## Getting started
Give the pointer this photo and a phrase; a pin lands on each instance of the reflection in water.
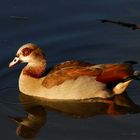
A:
(36, 109)
(30, 125)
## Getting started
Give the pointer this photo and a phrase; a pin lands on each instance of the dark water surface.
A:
(70, 30)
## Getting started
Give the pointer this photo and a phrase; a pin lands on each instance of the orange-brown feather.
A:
(113, 73)
(34, 72)
(59, 76)
(71, 63)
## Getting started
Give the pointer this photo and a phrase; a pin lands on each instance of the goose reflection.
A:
(30, 125)
(37, 108)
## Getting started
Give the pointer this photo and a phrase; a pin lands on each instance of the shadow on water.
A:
(29, 126)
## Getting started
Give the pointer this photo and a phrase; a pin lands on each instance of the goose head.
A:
(28, 53)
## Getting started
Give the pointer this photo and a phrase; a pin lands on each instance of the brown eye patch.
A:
(26, 51)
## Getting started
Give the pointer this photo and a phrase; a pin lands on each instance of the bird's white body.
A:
(84, 87)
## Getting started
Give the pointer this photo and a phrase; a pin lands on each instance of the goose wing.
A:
(105, 73)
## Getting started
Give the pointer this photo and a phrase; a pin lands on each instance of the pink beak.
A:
(15, 61)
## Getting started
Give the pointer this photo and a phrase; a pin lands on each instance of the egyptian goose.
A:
(72, 79)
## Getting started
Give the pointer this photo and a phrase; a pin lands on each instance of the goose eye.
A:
(26, 51)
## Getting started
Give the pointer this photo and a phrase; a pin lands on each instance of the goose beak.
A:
(15, 61)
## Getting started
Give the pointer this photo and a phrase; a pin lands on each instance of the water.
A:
(69, 30)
